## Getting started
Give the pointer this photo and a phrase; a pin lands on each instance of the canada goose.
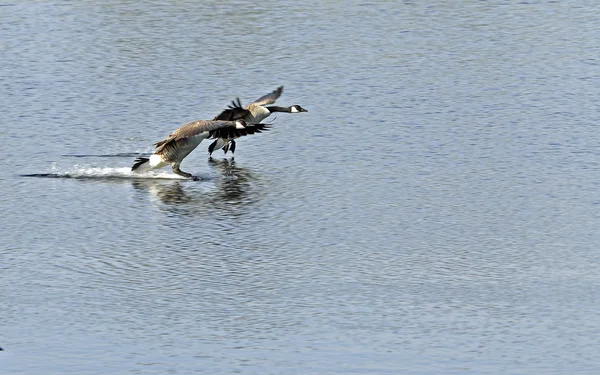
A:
(254, 112)
(173, 149)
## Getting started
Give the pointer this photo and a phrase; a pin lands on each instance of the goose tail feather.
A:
(141, 164)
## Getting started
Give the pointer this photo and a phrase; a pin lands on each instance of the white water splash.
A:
(117, 173)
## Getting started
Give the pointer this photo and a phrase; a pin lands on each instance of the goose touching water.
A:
(254, 112)
(173, 149)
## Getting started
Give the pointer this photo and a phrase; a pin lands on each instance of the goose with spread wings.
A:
(173, 149)
(254, 112)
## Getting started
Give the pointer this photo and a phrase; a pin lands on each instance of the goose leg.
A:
(212, 146)
(178, 171)
(232, 147)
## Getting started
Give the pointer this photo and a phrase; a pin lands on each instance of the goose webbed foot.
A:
(178, 171)
(232, 147)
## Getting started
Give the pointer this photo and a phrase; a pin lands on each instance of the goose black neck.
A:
(275, 108)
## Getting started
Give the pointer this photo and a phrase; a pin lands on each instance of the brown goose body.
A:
(173, 149)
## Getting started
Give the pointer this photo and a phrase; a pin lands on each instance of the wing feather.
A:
(230, 133)
(269, 98)
(232, 114)
(193, 129)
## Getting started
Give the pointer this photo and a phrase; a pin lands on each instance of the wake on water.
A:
(117, 155)
(107, 173)
(87, 172)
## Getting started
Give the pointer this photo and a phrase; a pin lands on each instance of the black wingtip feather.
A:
(236, 103)
(235, 133)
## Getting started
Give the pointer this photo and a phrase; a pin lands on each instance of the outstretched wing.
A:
(193, 129)
(232, 114)
(235, 104)
(235, 132)
(236, 111)
(269, 98)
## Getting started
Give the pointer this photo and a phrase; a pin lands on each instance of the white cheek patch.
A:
(239, 125)
(294, 110)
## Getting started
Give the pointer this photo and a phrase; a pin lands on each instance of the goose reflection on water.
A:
(234, 188)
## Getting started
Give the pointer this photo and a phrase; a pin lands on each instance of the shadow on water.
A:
(235, 188)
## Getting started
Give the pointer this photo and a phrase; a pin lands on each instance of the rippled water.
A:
(435, 212)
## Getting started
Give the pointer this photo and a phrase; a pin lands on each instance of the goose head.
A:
(296, 108)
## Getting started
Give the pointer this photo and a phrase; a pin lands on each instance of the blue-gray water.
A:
(435, 212)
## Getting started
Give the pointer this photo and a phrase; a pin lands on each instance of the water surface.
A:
(435, 211)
